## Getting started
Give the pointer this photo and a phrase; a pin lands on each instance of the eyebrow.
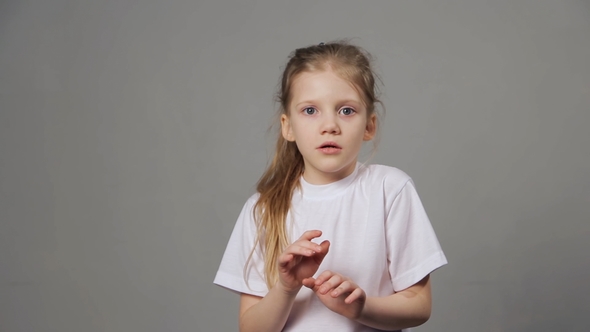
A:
(343, 102)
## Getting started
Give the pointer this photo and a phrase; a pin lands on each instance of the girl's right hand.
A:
(301, 260)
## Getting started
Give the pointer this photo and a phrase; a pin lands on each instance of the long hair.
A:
(281, 178)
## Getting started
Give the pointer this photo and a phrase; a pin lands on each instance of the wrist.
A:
(286, 290)
(364, 312)
(369, 314)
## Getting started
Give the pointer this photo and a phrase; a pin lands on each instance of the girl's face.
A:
(328, 122)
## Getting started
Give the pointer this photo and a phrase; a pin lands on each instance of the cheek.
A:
(300, 134)
(360, 128)
(301, 127)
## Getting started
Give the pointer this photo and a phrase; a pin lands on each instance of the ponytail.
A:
(276, 188)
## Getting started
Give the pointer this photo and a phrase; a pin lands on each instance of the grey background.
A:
(131, 133)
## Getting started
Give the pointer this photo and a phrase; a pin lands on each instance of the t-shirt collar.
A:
(327, 190)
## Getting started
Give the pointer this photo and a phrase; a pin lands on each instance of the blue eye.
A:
(309, 110)
(347, 111)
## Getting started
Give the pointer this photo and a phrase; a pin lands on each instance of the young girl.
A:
(327, 243)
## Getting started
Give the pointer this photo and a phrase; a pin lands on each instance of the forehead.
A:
(322, 85)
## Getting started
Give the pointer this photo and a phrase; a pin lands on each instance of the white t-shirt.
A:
(380, 237)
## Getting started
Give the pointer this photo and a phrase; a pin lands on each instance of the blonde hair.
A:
(281, 178)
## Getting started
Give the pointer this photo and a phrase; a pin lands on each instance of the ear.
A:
(371, 128)
(286, 129)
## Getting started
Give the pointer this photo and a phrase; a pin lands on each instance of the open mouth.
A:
(329, 148)
(327, 145)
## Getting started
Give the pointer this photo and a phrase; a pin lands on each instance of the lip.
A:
(329, 148)
(329, 144)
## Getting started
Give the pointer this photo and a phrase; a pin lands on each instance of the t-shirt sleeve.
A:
(413, 248)
(233, 273)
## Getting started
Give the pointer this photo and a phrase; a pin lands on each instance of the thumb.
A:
(325, 248)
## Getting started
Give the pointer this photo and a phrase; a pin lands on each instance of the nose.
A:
(330, 124)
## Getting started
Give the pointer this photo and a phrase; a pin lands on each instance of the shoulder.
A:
(251, 201)
(246, 215)
(390, 179)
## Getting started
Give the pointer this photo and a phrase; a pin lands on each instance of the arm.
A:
(407, 308)
(267, 313)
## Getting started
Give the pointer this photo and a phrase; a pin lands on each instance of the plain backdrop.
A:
(132, 132)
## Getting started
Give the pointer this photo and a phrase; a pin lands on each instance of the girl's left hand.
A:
(338, 293)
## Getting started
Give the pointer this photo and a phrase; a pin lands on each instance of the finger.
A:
(331, 283)
(324, 247)
(355, 295)
(323, 277)
(310, 235)
(309, 245)
(302, 249)
(345, 287)
(308, 282)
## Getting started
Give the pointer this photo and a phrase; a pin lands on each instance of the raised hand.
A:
(301, 260)
(338, 293)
